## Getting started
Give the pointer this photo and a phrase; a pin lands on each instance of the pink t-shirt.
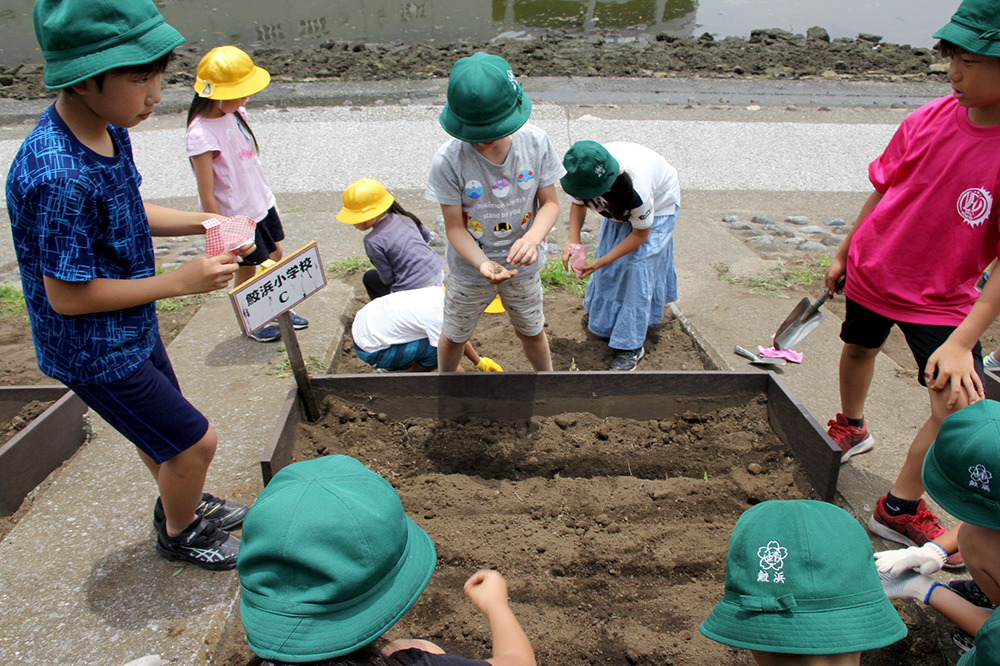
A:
(240, 187)
(918, 254)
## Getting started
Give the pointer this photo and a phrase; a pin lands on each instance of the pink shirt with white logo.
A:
(918, 254)
(240, 187)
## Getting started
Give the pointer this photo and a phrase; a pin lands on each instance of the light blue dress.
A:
(628, 295)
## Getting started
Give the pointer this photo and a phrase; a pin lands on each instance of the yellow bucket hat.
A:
(364, 200)
(227, 72)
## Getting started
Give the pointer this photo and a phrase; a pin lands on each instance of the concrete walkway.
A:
(82, 582)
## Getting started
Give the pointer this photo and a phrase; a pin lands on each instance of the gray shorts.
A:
(464, 304)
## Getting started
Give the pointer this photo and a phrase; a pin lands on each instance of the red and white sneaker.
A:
(915, 530)
(851, 440)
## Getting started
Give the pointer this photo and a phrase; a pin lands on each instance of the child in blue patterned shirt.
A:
(84, 247)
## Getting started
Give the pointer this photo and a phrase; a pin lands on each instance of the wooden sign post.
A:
(271, 294)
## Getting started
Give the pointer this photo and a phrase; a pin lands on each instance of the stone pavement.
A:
(82, 583)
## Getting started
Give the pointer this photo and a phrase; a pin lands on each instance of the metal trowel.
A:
(804, 319)
(756, 360)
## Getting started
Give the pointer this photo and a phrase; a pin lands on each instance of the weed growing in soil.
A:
(776, 279)
(348, 266)
(554, 276)
(11, 303)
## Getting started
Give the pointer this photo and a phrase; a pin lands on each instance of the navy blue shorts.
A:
(870, 330)
(147, 408)
(268, 234)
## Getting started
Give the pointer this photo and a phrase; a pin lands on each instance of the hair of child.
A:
(201, 105)
(946, 49)
(620, 197)
(399, 210)
(152, 68)
(368, 655)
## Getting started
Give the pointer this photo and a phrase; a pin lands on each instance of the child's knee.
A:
(203, 451)
(859, 353)
(980, 547)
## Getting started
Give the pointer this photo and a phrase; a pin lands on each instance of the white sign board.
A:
(278, 288)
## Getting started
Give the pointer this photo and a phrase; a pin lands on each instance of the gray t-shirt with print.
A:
(499, 201)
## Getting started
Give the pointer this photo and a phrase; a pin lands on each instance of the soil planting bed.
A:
(610, 527)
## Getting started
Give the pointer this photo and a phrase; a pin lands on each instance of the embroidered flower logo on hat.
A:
(599, 170)
(512, 79)
(772, 556)
(980, 477)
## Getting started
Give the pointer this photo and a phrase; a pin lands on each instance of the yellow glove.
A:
(488, 365)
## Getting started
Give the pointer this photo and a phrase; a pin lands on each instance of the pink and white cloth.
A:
(228, 235)
(789, 355)
(577, 258)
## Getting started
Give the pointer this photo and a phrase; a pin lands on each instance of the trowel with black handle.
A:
(804, 319)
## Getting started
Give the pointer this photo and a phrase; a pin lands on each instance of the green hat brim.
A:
(492, 131)
(861, 626)
(969, 40)
(151, 45)
(960, 501)
(295, 633)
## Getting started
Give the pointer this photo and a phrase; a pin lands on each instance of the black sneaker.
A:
(225, 514)
(203, 544)
(969, 589)
(963, 641)
(626, 360)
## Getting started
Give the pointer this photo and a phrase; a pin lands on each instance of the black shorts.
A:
(870, 330)
(267, 236)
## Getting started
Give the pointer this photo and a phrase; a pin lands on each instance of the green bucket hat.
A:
(590, 170)
(485, 100)
(975, 27)
(800, 579)
(82, 38)
(987, 644)
(328, 561)
(959, 467)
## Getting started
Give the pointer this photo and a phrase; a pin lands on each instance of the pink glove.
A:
(228, 235)
(577, 258)
(787, 354)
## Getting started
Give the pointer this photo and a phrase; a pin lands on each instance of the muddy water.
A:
(285, 23)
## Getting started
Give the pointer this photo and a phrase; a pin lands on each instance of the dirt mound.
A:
(769, 53)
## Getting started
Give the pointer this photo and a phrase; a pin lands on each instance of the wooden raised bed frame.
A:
(43, 445)
(636, 395)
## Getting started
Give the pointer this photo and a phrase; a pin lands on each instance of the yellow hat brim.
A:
(251, 84)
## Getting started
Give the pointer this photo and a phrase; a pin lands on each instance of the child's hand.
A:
(486, 589)
(833, 273)
(204, 274)
(523, 252)
(495, 273)
(952, 363)
(245, 249)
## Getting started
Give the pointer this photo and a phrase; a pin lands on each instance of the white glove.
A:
(927, 559)
(908, 585)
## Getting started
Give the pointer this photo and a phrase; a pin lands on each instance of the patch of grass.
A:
(11, 303)
(554, 276)
(314, 366)
(774, 281)
(348, 266)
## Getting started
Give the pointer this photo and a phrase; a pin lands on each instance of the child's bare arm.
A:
(205, 176)
(165, 221)
(197, 276)
(524, 251)
(487, 590)
(838, 262)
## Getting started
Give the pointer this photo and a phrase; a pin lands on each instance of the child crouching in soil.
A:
(329, 562)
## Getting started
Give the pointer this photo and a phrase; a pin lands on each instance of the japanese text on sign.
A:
(278, 288)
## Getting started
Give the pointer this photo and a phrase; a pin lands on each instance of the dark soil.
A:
(668, 347)
(612, 533)
(769, 53)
